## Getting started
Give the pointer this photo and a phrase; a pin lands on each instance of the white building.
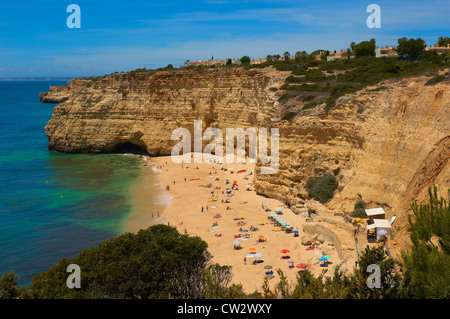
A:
(382, 228)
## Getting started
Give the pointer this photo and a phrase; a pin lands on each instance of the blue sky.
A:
(124, 35)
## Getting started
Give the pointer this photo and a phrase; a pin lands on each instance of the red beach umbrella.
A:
(285, 251)
(301, 266)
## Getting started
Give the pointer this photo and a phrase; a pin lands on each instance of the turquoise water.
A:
(52, 205)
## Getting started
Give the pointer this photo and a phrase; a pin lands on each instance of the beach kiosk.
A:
(375, 213)
(382, 227)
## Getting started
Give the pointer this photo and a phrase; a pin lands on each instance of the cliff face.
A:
(390, 145)
(144, 108)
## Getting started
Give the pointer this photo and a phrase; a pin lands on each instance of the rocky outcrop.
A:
(57, 94)
(144, 108)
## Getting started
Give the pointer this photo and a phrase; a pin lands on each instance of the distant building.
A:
(257, 61)
(318, 55)
(194, 63)
(439, 50)
(333, 56)
(212, 62)
(386, 51)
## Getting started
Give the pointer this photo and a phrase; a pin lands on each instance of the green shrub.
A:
(302, 88)
(284, 97)
(309, 105)
(322, 188)
(294, 79)
(380, 88)
(435, 80)
(308, 98)
(336, 171)
(359, 209)
(288, 116)
(157, 262)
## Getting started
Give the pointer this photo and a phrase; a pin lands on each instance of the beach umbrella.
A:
(258, 255)
(236, 242)
(295, 231)
(382, 232)
(327, 256)
(323, 259)
(267, 267)
(279, 209)
(301, 266)
(285, 251)
(252, 249)
(266, 204)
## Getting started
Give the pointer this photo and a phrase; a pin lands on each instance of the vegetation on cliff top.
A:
(326, 81)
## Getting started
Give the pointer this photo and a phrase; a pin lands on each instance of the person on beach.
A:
(245, 260)
(202, 209)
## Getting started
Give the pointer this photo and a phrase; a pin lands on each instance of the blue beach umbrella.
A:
(323, 259)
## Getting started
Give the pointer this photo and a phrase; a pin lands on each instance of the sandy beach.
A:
(198, 193)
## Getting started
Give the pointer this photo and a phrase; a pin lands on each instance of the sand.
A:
(188, 194)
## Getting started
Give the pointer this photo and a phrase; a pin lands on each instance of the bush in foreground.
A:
(154, 263)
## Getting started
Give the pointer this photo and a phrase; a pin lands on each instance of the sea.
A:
(54, 205)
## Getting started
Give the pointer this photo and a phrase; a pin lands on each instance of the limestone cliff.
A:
(144, 108)
(390, 144)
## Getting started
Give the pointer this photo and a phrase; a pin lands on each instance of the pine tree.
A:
(427, 264)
